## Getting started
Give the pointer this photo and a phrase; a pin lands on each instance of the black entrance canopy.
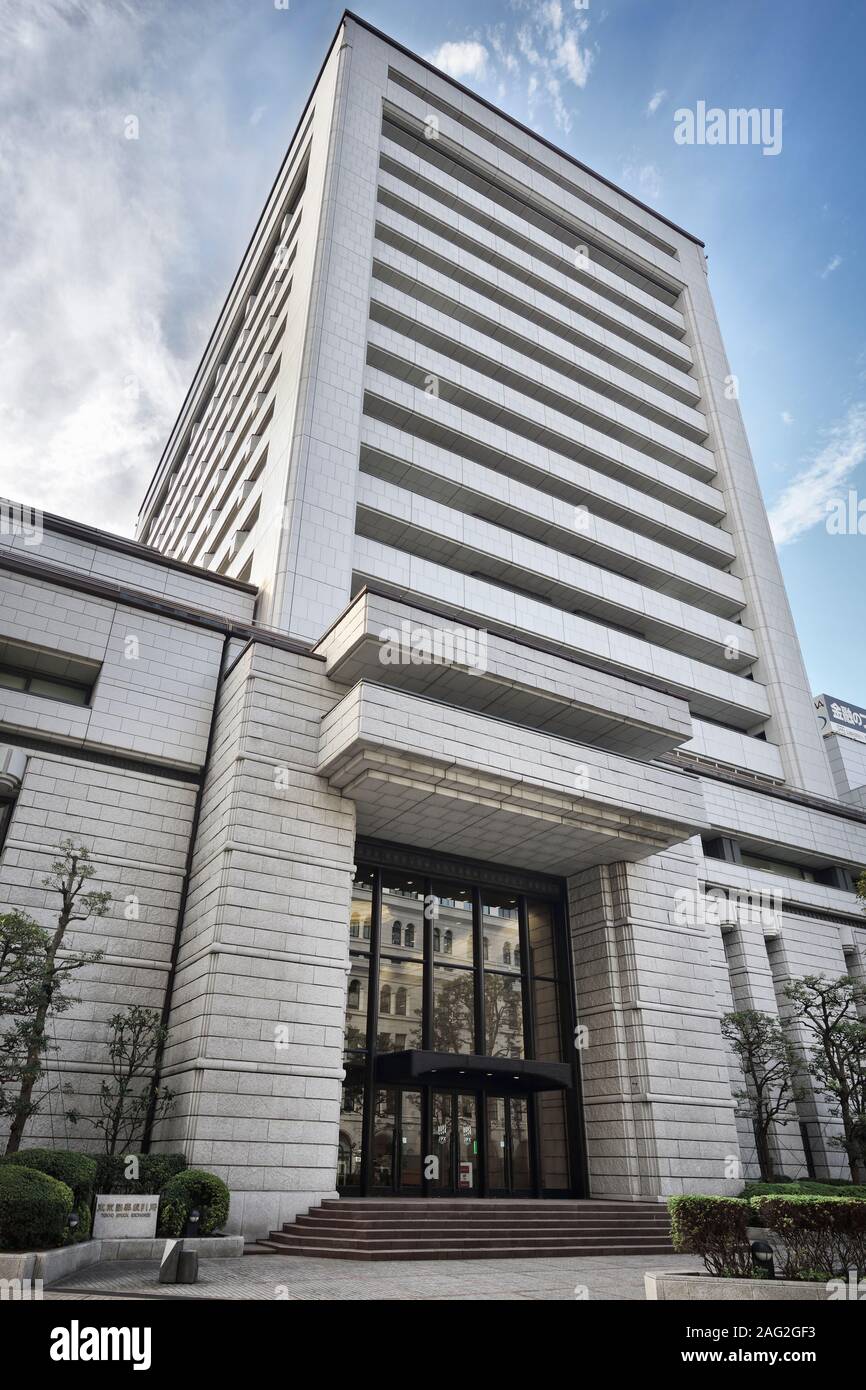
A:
(500, 1074)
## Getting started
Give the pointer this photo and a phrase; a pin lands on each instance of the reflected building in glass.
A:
(456, 1038)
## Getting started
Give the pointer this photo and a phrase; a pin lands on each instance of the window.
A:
(48, 674)
(409, 936)
(400, 1001)
(777, 866)
(506, 954)
(449, 942)
(385, 999)
(397, 934)
(355, 926)
(354, 994)
(437, 940)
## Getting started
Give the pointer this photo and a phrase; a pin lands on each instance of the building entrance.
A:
(461, 1074)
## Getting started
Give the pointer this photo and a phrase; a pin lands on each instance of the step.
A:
(441, 1252)
(444, 1226)
(444, 1223)
(463, 1241)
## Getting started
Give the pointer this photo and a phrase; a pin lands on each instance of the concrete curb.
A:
(51, 1265)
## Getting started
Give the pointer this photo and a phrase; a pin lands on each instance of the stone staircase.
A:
(467, 1229)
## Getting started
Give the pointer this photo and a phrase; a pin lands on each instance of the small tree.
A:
(137, 1035)
(47, 973)
(827, 1011)
(768, 1062)
(23, 944)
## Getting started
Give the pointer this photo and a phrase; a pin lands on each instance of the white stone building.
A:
(462, 667)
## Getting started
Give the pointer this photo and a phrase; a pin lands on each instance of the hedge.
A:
(76, 1170)
(34, 1209)
(716, 1228)
(193, 1189)
(823, 1237)
(154, 1171)
(803, 1187)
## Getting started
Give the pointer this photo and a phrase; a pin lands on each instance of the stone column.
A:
(659, 1112)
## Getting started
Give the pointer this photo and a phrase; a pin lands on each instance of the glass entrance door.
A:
(509, 1160)
(454, 1135)
(397, 1166)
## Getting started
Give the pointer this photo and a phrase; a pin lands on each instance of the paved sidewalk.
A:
(293, 1277)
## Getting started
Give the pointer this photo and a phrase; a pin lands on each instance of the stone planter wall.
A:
(700, 1287)
(51, 1265)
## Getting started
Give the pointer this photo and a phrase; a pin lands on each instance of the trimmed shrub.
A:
(193, 1188)
(76, 1170)
(716, 1228)
(804, 1187)
(154, 1171)
(823, 1236)
(34, 1209)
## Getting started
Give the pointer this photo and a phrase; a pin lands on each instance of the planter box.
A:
(51, 1265)
(703, 1288)
(208, 1247)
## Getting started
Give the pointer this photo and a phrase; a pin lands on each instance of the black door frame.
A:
(395, 859)
(533, 1186)
(455, 1096)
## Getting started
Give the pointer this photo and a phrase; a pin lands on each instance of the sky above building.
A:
(139, 138)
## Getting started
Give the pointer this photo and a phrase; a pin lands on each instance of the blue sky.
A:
(117, 252)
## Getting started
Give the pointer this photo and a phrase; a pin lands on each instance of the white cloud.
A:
(787, 418)
(655, 102)
(462, 60)
(112, 271)
(644, 179)
(576, 61)
(833, 264)
(803, 503)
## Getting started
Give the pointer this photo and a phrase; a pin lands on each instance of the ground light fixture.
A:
(762, 1259)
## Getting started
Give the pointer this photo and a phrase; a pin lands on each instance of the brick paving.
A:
(294, 1278)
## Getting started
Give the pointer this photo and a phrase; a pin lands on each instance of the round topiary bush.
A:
(76, 1170)
(34, 1209)
(187, 1191)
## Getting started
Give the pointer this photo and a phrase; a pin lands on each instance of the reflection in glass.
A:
(503, 1015)
(361, 912)
(349, 1144)
(452, 921)
(384, 1137)
(521, 1168)
(355, 1031)
(501, 931)
(400, 1004)
(497, 1157)
(453, 1009)
(410, 1141)
(403, 912)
